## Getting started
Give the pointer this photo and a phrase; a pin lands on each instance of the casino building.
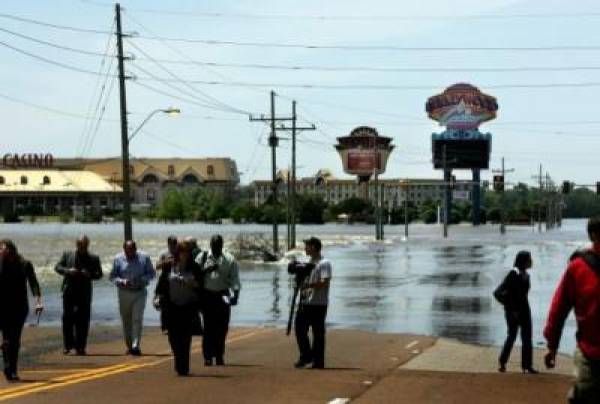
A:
(334, 190)
(42, 184)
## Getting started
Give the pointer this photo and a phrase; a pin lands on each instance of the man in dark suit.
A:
(79, 268)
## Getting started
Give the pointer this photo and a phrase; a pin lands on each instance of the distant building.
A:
(334, 190)
(151, 177)
(51, 191)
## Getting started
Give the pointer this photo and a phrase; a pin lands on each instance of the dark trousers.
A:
(76, 320)
(12, 327)
(515, 320)
(311, 317)
(216, 315)
(179, 321)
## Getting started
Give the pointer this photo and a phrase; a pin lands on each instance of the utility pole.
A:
(447, 190)
(503, 171)
(540, 179)
(273, 143)
(294, 129)
(128, 230)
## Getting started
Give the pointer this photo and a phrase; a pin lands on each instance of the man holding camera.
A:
(314, 298)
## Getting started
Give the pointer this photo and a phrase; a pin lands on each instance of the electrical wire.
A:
(51, 25)
(52, 44)
(202, 93)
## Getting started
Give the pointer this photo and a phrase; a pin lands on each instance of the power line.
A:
(217, 42)
(356, 18)
(208, 98)
(292, 67)
(87, 129)
(49, 61)
(53, 45)
(55, 26)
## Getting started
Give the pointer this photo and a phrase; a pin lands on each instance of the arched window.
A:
(150, 179)
(189, 179)
(210, 169)
(46, 180)
(23, 180)
(171, 170)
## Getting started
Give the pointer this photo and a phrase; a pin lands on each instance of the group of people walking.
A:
(194, 292)
(578, 290)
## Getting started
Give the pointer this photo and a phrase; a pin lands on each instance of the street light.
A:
(169, 111)
(128, 230)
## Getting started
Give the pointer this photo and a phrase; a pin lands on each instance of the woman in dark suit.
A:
(178, 296)
(15, 273)
(512, 293)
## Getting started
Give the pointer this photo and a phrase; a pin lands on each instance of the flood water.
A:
(423, 285)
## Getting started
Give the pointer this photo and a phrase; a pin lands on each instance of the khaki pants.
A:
(587, 381)
(131, 305)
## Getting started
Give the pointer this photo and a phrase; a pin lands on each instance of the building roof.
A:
(57, 181)
(223, 169)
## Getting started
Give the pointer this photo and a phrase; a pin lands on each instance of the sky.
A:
(48, 108)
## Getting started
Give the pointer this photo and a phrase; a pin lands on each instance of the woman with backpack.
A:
(512, 293)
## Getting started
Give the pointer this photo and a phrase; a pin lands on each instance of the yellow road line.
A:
(7, 394)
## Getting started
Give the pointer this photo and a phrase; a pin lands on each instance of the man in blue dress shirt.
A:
(131, 272)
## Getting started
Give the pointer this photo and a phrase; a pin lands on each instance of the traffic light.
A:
(567, 187)
(499, 183)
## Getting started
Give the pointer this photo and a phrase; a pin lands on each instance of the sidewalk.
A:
(362, 367)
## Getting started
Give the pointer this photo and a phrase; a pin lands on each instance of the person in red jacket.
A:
(579, 289)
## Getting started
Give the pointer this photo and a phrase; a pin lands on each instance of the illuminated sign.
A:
(461, 106)
(28, 160)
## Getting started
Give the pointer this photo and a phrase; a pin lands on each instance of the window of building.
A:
(150, 179)
(23, 180)
(2, 180)
(151, 195)
(131, 170)
(46, 180)
(210, 170)
(190, 179)
(171, 170)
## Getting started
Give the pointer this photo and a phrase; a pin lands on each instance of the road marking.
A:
(412, 344)
(93, 374)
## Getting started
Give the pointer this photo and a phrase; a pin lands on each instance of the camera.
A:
(300, 269)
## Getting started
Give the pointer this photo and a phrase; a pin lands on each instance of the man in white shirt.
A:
(314, 299)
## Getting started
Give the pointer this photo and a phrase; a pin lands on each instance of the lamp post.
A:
(127, 227)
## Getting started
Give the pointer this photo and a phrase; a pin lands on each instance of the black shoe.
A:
(67, 351)
(301, 364)
(11, 376)
(530, 371)
(135, 352)
(220, 362)
(81, 352)
(208, 362)
(501, 368)
(318, 366)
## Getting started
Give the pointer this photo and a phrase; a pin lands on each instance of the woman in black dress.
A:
(512, 293)
(15, 273)
(178, 296)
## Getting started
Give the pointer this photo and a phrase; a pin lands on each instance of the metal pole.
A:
(406, 211)
(293, 200)
(273, 144)
(502, 224)
(288, 212)
(447, 195)
(127, 226)
(540, 202)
